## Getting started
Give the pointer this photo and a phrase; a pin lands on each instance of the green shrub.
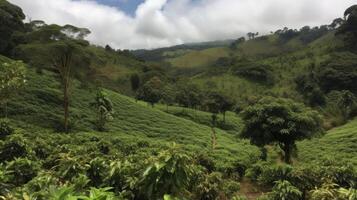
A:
(284, 190)
(168, 173)
(209, 186)
(230, 188)
(14, 147)
(22, 170)
(42, 149)
(100, 194)
(5, 128)
(271, 174)
(80, 182)
(120, 175)
(256, 170)
(205, 161)
(97, 171)
(4, 179)
(69, 166)
(40, 184)
(237, 170)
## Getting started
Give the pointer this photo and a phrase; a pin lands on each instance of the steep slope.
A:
(339, 143)
(284, 65)
(40, 105)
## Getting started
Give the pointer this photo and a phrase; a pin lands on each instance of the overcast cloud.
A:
(159, 23)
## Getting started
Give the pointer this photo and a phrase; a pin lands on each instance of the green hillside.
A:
(339, 144)
(197, 58)
(40, 104)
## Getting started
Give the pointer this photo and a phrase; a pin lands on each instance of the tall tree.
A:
(188, 95)
(150, 91)
(226, 105)
(349, 27)
(65, 55)
(250, 35)
(62, 63)
(336, 23)
(281, 122)
(168, 96)
(12, 78)
(218, 103)
(135, 82)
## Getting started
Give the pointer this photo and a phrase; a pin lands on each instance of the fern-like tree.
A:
(104, 108)
(12, 78)
(281, 122)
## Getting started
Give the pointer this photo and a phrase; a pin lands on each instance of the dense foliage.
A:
(281, 122)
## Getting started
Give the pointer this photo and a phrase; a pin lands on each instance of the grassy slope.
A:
(197, 58)
(285, 65)
(339, 143)
(233, 123)
(40, 105)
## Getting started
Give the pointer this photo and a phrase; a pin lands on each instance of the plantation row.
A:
(59, 166)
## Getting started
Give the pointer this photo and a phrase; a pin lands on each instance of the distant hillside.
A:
(167, 52)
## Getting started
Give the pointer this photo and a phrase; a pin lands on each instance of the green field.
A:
(339, 144)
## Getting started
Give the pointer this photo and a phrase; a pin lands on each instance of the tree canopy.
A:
(281, 122)
(11, 17)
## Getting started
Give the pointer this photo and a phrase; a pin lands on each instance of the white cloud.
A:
(160, 23)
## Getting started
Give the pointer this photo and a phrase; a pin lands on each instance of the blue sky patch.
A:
(128, 6)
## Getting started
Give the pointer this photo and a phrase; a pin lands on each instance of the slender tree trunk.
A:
(66, 106)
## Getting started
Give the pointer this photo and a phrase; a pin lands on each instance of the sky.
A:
(147, 24)
(128, 6)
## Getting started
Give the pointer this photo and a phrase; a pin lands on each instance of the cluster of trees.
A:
(237, 42)
(251, 35)
(334, 78)
(11, 18)
(182, 94)
(306, 34)
(347, 27)
(254, 71)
